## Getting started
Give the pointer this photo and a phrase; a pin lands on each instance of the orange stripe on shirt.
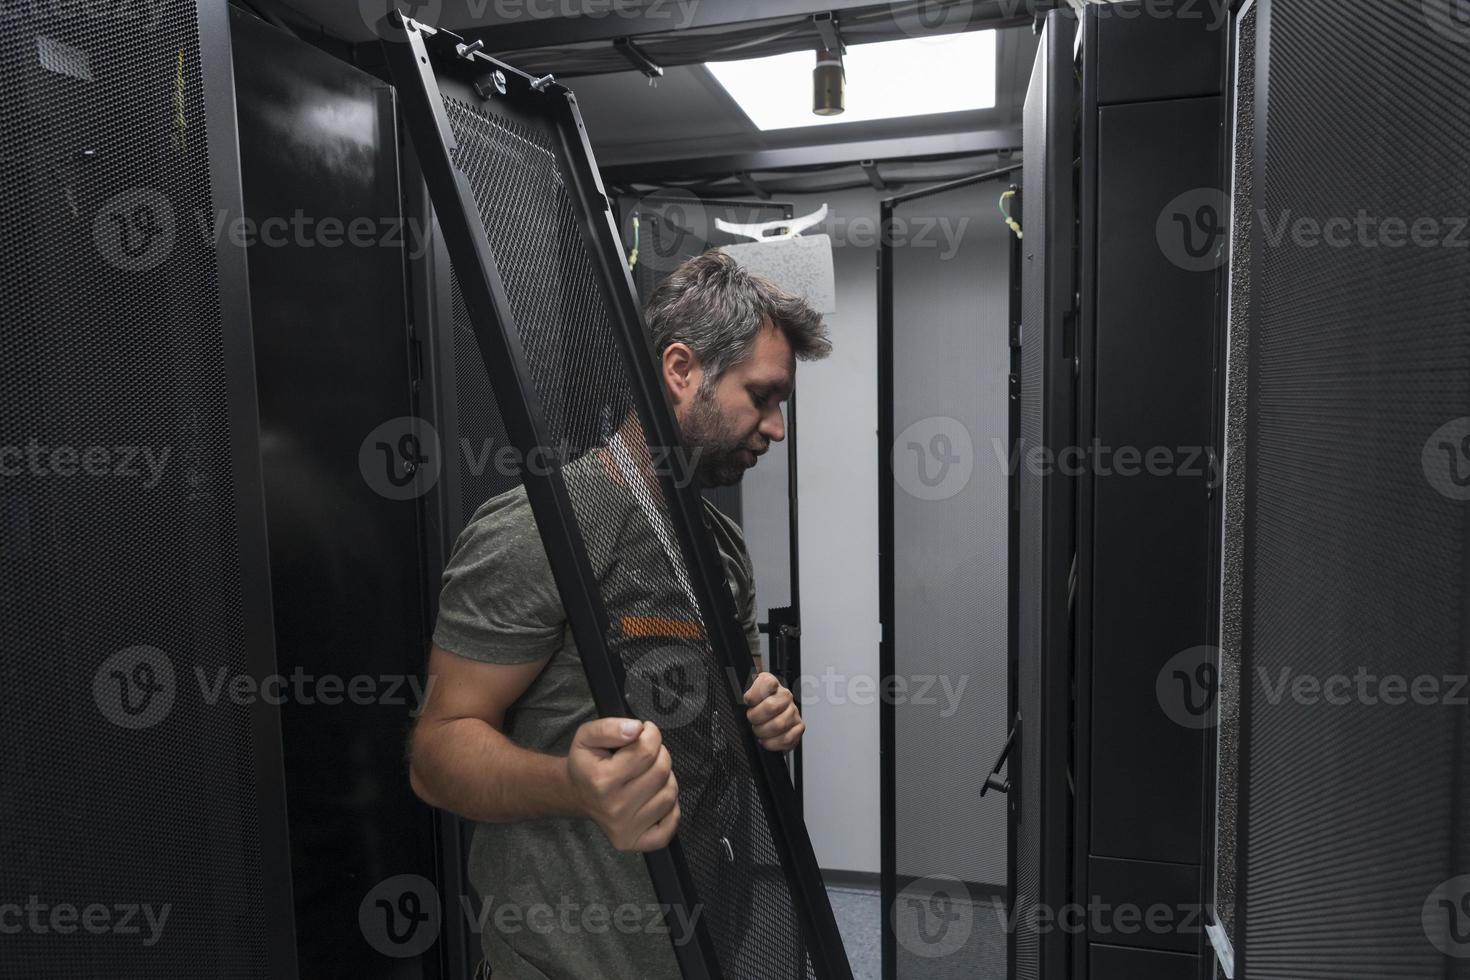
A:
(660, 626)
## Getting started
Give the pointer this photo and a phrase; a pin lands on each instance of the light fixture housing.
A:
(882, 80)
(829, 84)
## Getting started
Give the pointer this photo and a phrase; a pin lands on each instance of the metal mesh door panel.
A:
(1227, 759)
(528, 227)
(123, 589)
(526, 204)
(1355, 532)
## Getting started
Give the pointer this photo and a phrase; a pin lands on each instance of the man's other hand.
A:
(773, 715)
(624, 780)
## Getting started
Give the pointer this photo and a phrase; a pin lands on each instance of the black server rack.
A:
(1152, 243)
(348, 463)
(135, 572)
(1342, 790)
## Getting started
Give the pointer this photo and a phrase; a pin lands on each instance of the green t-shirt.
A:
(557, 901)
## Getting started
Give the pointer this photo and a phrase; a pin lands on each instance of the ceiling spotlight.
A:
(829, 83)
(905, 78)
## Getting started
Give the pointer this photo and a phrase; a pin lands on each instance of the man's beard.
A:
(715, 446)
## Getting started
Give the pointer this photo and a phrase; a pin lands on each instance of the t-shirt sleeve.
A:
(739, 574)
(747, 607)
(499, 602)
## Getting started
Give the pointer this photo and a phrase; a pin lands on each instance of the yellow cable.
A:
(1014, 225)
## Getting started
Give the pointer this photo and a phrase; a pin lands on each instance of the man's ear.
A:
(681, 371)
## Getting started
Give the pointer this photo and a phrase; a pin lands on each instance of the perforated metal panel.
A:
(1227, 753)
(1354, 539)
(133, 573)
(574, 381)
(478, 444)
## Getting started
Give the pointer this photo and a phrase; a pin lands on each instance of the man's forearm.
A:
(469, 768)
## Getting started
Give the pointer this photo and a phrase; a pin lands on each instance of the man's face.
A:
(734, 421)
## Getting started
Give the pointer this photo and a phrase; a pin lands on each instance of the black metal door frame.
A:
(416, 63)
(218, 93)
(217, 78)
(1048, 512)
(887, 570)
(1013, 557)
(441, 517)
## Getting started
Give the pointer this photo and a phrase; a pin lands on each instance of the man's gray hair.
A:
(716, 307)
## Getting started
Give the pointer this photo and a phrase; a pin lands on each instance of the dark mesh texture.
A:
(584, 392)
(112, 338)
(1355, 547)
(483, 469)
(1227, 759)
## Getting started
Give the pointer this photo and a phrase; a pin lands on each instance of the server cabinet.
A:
(1345, 617)
(1152, 244)
(327, 247)
(143, 815)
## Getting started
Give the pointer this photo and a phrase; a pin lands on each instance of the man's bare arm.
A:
(461, 761)
(618, 772)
